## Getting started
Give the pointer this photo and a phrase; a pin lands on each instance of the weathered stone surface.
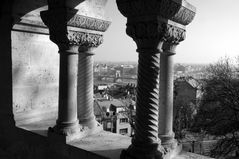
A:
(179, 11)
(35, 74)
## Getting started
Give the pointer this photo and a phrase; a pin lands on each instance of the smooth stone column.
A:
(166, 133)
(85, 100)
(67, 122)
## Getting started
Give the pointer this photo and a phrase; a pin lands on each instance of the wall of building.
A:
(122, 125)
(185, 92)
(35, 64)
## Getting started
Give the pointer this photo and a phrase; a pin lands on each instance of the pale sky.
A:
(213, 33)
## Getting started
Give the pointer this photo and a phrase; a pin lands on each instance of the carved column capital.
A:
(68, 29)
(84, 40)
(153, 33)
(152, 23)
(172, 37)
(147, 34)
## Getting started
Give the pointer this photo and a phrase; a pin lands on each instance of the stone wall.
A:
(35, 64)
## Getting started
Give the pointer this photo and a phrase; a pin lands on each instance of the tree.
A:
(183, 117)
(219, 108)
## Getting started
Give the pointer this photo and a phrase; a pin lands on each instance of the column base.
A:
(171, 146)
(172, 152)
(144, 151)
(66, 132)
(91, 126)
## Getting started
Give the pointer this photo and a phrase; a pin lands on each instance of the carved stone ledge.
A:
(184, 16)
(179, 11)
(64, 37)
(84, 22)
(78, 21)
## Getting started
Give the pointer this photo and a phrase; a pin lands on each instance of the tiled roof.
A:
(107, 103)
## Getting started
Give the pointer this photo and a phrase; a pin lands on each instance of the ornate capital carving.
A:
(56, 20)
(152, 23)
(84, 39)
(173, 34)
(172, 37)
(147, 35)
(152, 34)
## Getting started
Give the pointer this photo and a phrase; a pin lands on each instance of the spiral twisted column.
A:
(147, 98)
(85, 103)
(85, 109)
(145, 143)
(153, 25)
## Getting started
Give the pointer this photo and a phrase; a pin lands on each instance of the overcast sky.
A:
(213, 33)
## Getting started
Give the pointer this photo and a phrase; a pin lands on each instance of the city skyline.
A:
(210, 36)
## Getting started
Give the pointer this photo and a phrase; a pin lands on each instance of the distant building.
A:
(126, 81)
(113, 114)
(179, 68)
(117, 73)
(187, 88)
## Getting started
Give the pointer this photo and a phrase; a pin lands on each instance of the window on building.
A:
(124, 120)
(108, 125)
(123, 131)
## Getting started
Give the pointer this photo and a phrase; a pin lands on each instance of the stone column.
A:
(147, 32)
(153, 25)
(85, 90)
(174, 33)
(145, 143)
(76, 36)
(55, 18)
(67, 122)
(87, 40)
(166, 97)
(85, 102)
